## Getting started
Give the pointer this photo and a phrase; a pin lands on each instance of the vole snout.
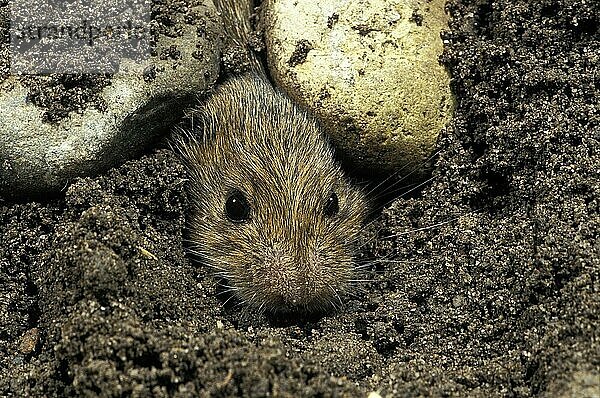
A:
(291, 278)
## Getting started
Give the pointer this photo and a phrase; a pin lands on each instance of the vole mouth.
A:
(295, 297)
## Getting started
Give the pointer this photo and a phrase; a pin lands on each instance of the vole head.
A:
(272, 211)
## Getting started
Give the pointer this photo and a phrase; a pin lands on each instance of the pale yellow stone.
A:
(369, 70)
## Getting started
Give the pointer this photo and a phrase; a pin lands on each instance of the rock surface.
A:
(369, 69)
(57, 127)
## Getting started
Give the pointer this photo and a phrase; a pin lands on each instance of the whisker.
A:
(404, 177)
(335, 293)
(437, 225)
(226, 301)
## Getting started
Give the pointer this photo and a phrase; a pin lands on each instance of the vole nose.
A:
(290, 287)
(289, 281)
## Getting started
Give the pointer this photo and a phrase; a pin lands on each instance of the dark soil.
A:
(59, 95)
(488, 282)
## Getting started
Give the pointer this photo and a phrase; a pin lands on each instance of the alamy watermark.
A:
(85, 36)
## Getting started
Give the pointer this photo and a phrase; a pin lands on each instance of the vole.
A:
(272, 211)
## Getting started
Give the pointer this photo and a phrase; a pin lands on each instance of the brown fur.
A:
(289, 256)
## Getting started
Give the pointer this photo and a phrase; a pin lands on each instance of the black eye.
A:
(331, 206)
(237, 207)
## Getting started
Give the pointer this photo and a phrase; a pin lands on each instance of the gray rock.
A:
(58, 127)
